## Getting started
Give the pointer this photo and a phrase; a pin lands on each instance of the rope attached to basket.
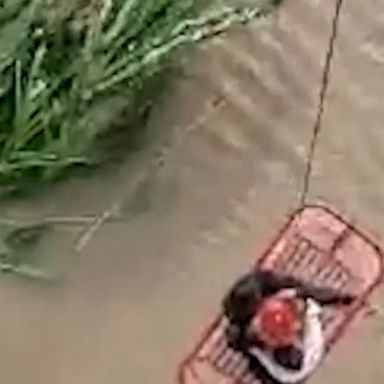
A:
(322, 96)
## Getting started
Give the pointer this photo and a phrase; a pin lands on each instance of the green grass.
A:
(66, 61)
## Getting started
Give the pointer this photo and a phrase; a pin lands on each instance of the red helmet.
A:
(278, 321)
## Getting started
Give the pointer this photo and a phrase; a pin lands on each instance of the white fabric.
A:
(313, 349)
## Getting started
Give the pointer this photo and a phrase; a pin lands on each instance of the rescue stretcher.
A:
(316, 245)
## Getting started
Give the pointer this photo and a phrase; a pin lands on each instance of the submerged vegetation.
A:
(67, 59)
(61, 61)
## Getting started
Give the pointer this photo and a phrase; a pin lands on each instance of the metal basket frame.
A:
(291, 258)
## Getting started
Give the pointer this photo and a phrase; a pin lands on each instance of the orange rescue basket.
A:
(316, 245)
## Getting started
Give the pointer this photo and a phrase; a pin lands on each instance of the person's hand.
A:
(347, 299)
(313, 308)
(287, 293)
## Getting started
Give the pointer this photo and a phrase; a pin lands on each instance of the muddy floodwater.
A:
(223, 168)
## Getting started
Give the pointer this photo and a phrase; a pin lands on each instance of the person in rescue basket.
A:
(275, 322)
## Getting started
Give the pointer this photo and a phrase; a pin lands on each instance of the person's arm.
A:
(323, 295)
(326, 296)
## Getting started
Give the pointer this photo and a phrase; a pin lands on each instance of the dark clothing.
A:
(242, 301)
(249, 290)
